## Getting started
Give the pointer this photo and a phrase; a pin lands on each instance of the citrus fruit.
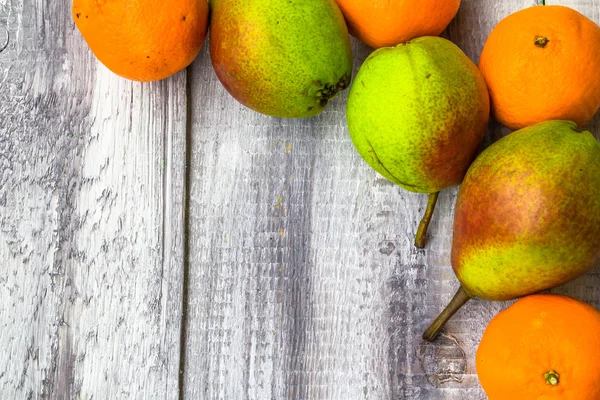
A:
(143, 40)
(542, 347)
(542, 63)
(381, 23)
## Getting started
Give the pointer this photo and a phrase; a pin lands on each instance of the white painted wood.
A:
(303, 281)
(91, 218)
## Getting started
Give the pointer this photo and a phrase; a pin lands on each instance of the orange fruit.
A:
(381, 23)
(544, 346)
(543, 63)
(143, 40)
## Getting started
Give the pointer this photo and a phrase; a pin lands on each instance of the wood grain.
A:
(303, 279)
(91, 224)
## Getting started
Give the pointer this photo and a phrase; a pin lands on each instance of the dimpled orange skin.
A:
(383, 23)
(531, 83)
(143, 40)
(537, 334)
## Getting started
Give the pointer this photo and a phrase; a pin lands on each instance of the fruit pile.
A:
(527, 215)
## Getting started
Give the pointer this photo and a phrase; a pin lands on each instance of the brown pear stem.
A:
(424, 224)
(459, 300)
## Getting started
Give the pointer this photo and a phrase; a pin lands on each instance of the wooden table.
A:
(159, 241)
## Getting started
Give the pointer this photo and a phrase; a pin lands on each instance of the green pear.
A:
(279, 57)
(417, 113)
(527, 215)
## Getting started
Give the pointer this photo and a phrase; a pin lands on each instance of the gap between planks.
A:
(186, 229)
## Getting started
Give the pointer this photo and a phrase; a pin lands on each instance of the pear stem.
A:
(424, 224)
(459, 300)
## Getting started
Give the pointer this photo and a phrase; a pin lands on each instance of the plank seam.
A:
(186, 230)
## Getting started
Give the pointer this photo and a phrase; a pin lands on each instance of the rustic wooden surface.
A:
(91, 226)
(161, 241)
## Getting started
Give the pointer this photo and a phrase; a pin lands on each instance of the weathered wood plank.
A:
(91, 224)
(303, 282)
(303, 279)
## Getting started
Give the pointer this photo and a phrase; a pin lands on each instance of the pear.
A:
(527, 215)
(279, 57)
(417, 113)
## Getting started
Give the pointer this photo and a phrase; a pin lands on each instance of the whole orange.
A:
(542, 347)
(543, 63)
(381, 23)
(143, 40)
